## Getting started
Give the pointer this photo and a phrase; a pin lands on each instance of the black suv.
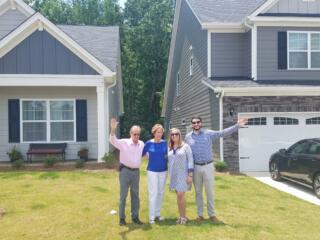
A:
(299, 163)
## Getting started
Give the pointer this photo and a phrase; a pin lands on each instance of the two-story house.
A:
(258, 59)
(58, 83)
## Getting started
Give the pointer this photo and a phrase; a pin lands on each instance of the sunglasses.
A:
(174, 134)
(196, 122)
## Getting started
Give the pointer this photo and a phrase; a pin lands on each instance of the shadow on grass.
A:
(191, 222)
(132, 227)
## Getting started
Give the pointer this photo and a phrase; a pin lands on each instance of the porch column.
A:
(102, 122)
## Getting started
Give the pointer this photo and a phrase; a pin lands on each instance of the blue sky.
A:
(121, 2)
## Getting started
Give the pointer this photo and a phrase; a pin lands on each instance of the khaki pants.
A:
(204, 175)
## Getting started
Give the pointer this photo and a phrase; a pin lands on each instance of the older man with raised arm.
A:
(129, 170)
(200, 141)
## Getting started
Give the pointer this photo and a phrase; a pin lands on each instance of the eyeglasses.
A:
(174, 134)
(196, 122)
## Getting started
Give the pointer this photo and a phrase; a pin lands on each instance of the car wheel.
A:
(316, 185)
(274, 171)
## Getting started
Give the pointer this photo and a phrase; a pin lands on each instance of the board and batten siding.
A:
(296, 6)
(267, 56)
(9, 21)
(194, 96)
(41, 53)
(231, 54)
(88, 94)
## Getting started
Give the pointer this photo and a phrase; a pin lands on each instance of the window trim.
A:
(178, 84)
(48, 121)
(308, 51)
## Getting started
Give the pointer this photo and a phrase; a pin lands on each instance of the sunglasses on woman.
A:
(174, 134)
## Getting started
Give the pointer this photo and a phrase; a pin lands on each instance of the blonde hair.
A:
(171, 143)
(156, 127)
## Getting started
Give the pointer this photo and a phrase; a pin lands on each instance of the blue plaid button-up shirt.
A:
(201, 144)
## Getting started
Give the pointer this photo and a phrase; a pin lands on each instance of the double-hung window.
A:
(304, 50)
(48, 120)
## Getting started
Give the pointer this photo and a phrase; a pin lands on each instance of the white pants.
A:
(156, 187)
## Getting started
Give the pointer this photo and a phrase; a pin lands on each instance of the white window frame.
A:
(178, 84)
(48, 121)
(309, 51)
(191, 65)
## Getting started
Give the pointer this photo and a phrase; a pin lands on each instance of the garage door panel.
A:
(258, 142)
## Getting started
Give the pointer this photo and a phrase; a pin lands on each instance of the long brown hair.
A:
(171, 143)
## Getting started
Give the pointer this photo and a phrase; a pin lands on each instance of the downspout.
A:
(253, 29)
(220, 95)
(107, 114)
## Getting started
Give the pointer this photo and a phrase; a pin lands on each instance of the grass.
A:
(77, 205)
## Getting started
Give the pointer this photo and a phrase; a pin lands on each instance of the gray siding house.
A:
(57, 83)
(258, 59)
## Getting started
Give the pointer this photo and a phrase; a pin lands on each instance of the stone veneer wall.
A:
(259, 104)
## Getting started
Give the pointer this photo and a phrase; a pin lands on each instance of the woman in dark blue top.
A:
(156, 150)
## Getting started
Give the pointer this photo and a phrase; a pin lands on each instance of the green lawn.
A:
(76, 205)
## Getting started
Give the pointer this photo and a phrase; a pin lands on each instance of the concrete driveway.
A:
(294, 189)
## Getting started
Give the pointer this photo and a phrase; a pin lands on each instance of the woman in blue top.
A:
(156, 151)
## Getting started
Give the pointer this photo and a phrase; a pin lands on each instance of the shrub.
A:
(50, 161)
(18, 164)
(14, 154)
(83, 153)
(221, 166)
(109, 158)
(79, 163)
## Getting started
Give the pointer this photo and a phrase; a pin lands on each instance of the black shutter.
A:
(81, 121)
(14, 120)
(282, 50)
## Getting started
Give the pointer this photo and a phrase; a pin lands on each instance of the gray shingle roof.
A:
(247, 83)
(224, 11)
(101, 42)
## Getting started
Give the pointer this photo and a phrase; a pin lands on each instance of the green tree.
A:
(146, 41)
(58, 12)
(79, 12)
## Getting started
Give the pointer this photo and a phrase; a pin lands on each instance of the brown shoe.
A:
(214, 219)
(199, 219)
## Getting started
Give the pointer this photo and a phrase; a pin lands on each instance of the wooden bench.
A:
(46, 149)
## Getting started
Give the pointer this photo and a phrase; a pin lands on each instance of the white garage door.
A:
(266, 133)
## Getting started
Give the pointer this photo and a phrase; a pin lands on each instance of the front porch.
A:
(48, 112)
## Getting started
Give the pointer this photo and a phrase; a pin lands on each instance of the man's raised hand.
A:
(242, 122)
(113, 124)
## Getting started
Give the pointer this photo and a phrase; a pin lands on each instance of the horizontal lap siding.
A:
(50, 93)
(9, 21)
(194, 96)
(267, 63)
(230, 54)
